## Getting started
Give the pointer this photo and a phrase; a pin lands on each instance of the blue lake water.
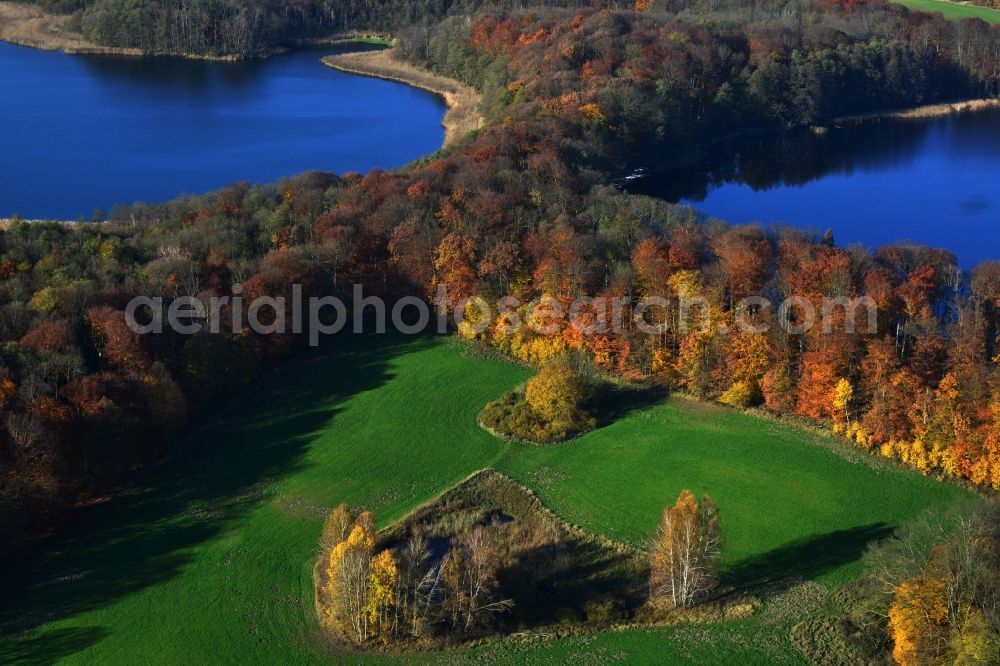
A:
(934, 182)
(83, 132)
(79, 133)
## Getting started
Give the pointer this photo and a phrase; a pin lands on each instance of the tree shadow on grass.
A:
(566, 575)
(611, 402)
(146, 535)
(805, 559)
(50, 647)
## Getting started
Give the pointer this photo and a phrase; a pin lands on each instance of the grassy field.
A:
(208, 559)
(953, 10)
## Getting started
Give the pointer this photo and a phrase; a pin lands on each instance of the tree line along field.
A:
(209, 557)
(954, 10)
(523, 208)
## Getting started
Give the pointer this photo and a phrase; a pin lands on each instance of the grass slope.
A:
(208, 559)
(953, 10)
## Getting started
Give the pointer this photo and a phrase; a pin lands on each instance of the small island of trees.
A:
(486, 558)
(552, 406)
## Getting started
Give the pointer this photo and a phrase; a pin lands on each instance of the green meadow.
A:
(953, 10)
(208, 557)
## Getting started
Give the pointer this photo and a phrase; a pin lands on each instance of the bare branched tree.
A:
(685, 555)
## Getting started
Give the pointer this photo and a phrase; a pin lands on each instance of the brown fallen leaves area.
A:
(463, 101)
(30, 26)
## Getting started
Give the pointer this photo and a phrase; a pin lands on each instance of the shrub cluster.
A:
(551, 408)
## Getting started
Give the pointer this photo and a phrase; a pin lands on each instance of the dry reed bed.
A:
(463, 101)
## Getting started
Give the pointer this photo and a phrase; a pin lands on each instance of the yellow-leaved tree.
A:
(918, 620)
(337, 526)
(986, 469)
(843, 393)
(740, 394)
(348, 579)
(686, 552)
(382, 594)
(556, 394)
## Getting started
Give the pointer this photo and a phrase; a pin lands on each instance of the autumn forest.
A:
(574, 94)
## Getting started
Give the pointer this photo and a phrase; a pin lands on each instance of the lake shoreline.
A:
(939, 110)
(260, 121)
(31, 27)
(463, 101)
(924, 112)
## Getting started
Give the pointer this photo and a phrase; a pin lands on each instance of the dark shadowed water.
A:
(81, 132)
(934, 182)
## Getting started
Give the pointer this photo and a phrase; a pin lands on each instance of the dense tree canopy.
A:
(522, 209)
(637, 86)
(251, 27)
